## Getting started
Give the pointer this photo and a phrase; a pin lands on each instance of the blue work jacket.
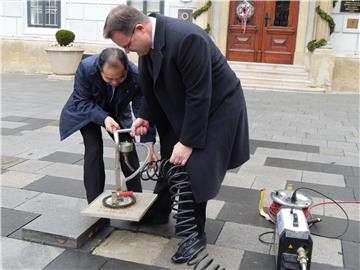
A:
(90, 100)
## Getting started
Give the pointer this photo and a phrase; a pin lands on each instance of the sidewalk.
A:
(301, 139)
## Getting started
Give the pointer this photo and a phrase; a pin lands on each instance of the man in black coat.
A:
(195, 100)
(104, 87)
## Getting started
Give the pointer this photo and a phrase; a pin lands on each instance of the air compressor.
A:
(293, 243)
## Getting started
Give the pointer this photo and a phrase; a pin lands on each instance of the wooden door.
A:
(270, 33)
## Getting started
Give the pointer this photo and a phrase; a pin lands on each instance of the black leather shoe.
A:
(189, 248)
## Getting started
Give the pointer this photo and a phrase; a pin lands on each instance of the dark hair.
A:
(113, 56)
(123, 18)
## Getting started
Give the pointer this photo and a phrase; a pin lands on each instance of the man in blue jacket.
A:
(104, 87)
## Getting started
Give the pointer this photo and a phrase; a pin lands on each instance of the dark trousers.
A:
(94, 169)
(162, 205)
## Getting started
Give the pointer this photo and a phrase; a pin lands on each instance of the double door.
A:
(269, 35)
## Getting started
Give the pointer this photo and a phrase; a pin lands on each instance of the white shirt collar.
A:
(153, 23)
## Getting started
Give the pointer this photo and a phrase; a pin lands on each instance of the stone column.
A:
(322, 29)
(322, 60)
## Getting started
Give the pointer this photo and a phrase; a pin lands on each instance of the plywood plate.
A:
(132, 213)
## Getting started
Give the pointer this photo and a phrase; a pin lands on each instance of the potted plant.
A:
(64, 57)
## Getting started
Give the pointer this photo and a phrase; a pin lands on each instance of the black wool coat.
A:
(194, 97)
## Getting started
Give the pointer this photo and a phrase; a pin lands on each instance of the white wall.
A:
(84, 17)
(345, 41)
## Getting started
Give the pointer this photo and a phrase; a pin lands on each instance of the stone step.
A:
(243, 72)
(290, 88)
(274, 80)
(267, 66)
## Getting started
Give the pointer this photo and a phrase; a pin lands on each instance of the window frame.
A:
(145, 6)
(43, 2)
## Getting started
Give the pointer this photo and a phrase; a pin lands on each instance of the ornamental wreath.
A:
(244, 11)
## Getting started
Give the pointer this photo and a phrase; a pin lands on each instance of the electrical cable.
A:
(346, 215)
(263, 241)
(182, 204)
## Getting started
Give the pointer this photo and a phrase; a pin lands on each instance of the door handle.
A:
(266, 19)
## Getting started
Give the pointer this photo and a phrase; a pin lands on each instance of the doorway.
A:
(268, 34)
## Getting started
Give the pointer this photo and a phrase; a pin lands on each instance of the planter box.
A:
(64, 60)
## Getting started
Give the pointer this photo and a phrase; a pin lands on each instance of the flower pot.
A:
(64, 60)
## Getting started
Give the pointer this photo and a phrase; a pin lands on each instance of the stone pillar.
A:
(203, 19)
(322, 60)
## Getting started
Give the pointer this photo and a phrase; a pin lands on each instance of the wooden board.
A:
(132, 213)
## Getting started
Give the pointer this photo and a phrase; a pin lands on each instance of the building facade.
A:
(252, 31)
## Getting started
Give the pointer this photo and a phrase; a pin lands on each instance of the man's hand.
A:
(139, 127)
(110, 124)
(181, 154)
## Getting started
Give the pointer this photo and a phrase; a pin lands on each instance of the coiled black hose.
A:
(182, 198)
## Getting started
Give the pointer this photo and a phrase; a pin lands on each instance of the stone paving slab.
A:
(323, 178)
(334, 192)
(7, 162)
(247, 240)
(334, 227)
(12, 220)
(71, 259)
(220, 255)
(238, 180)
(63, 229)
(63, 157)
(134, 247)
(61, 186)
(327, 251)
(351, 253)
(22, 254)
(13, 197)
(213, 208)
(243, 214)
(18, 179)
(63, 170)
(270, 183)
(124, 265)
(30, 166)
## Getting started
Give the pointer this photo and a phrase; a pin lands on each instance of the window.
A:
(148, 6)
(43, 13)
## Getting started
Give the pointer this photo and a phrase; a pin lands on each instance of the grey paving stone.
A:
(9, 131)
(71, 259)
(13, 197)
(63, 229)
(238, 195)
(7, 162)
(336, 193)
(31, 166)
(61, 186)
(96, 239)
(14, 118)
(247, 237)
(18, 179)
(285, 146)
(354, 183)
(258, 261)
(124, 265)
(213, 229)
(23, 255)
(109, 163)
(243, 213)
(351, 253)
(63, 157)
(12, 220)
(220, 255)
(310, 166)
(330, 226)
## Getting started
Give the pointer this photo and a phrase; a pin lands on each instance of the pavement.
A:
(298, 139)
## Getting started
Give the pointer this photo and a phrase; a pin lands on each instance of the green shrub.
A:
(64, 37)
